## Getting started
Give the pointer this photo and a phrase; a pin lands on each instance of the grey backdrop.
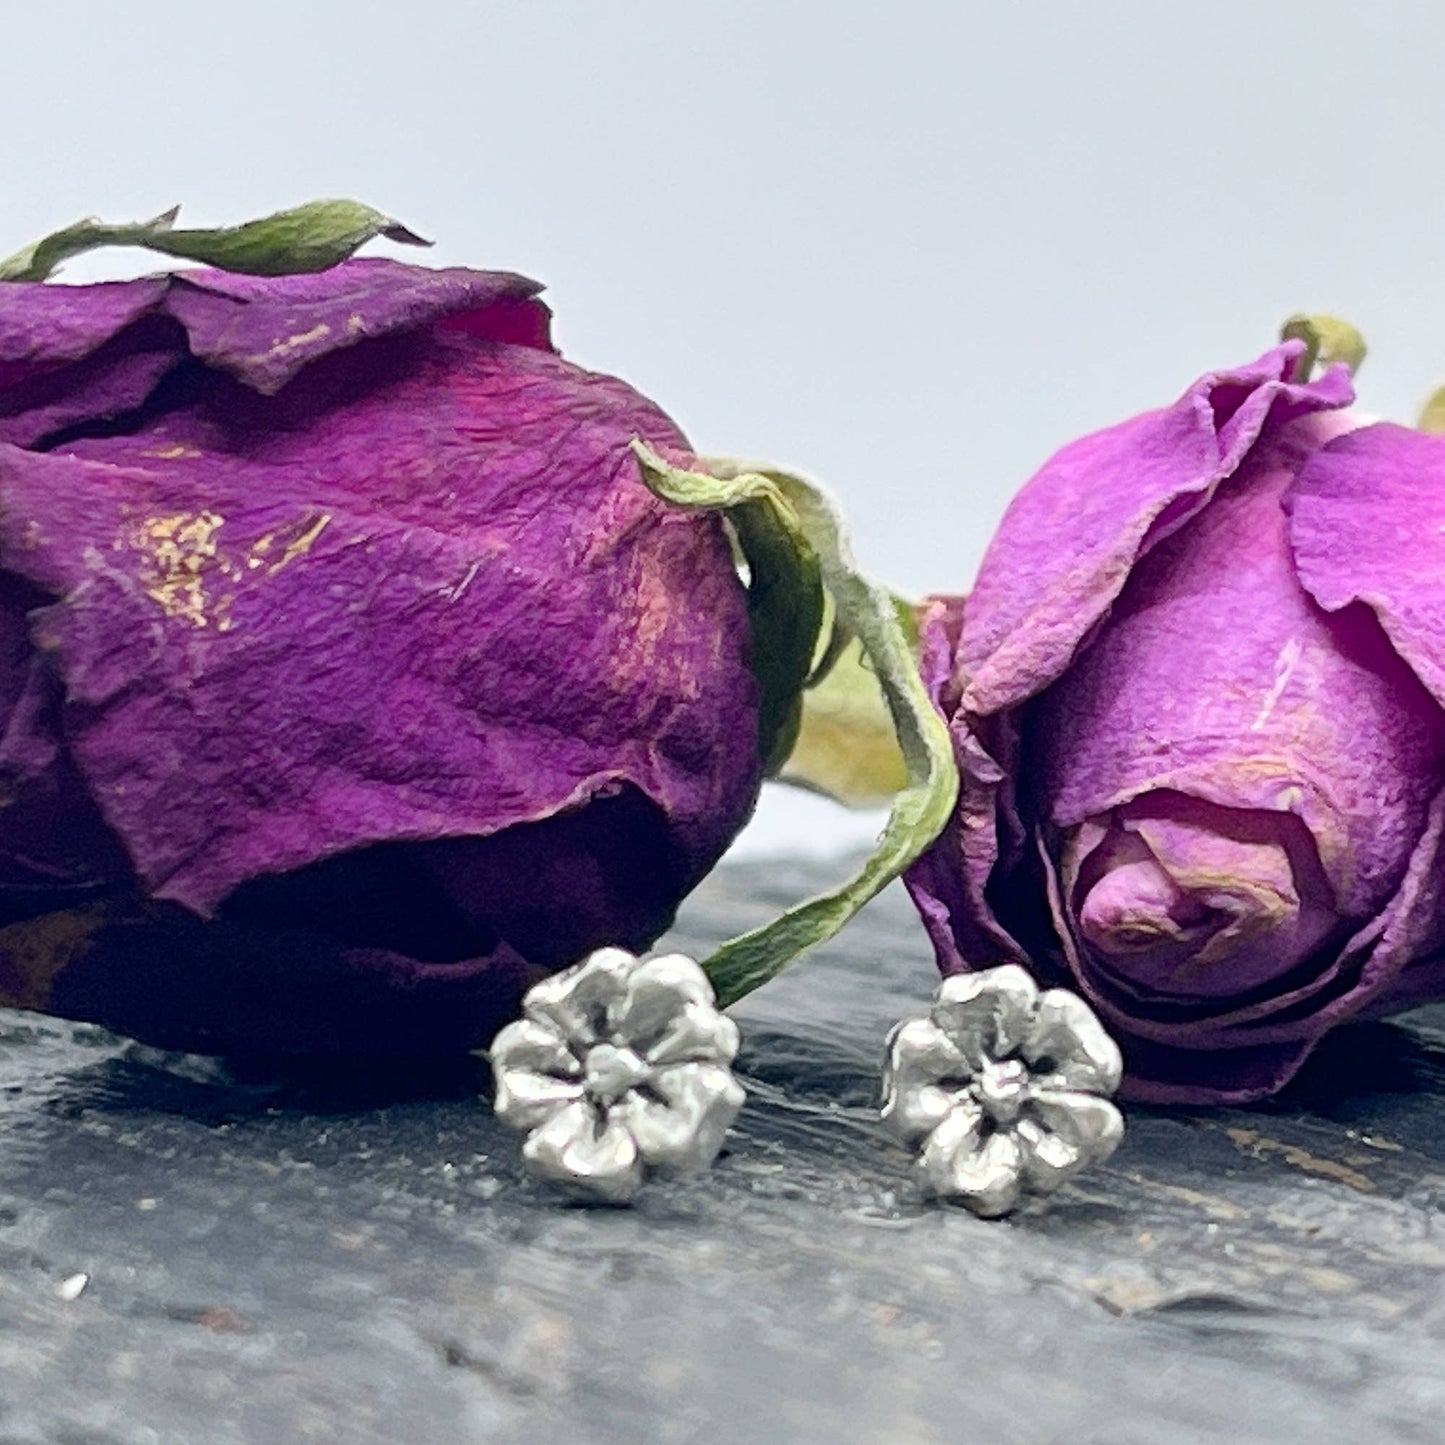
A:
(910, 248)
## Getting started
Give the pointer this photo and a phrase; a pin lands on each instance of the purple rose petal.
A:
(369, 647)
(1067, 544)
(1367, 524)
(265, 330)
(42, 326)
(1218, 678)
(1206, 795)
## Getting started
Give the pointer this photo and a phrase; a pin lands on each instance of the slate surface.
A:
(275, 1255)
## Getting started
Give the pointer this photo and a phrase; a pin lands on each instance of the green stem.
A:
(870, 614)
(310, 237)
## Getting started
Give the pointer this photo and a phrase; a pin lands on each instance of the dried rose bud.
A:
(350, 676)
(1195, 698)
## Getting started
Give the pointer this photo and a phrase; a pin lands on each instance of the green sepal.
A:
(311, 237)
(1327, 340)
(1432, 414)
(847, 746)
(784, 587)
(872, 616)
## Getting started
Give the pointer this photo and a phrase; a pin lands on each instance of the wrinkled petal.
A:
(1221, 907)
(586, 1155)
(372, 651)
(986, 1015)
(264, 330)
(43, 325)
(159, 974)
(1272, 707)
(1367, 522)
(1058, 562)
(1066, 545)
(919, 1057)
(352, 633)
(1410, 928)
(1136, 908)
(981, 1171)
(1066, 1132)
(606, 871)
(1067, 1034)
(115, 379)
(53, 841)
(681, 1128)
(534, 1073)
(576, 1002)
(1237, 1051)
(949, 882)
(1178, 898)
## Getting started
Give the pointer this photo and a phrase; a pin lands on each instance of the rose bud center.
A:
(1189, 898)
(1237, 776)
(1137, 906)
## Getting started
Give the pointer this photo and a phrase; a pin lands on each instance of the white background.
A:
(910, 248)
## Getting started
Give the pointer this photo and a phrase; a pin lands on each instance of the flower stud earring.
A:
(1002, 1088)
(618, 1067)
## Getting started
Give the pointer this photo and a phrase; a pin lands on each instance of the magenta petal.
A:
(1368, 525)
(42, 325)
(1195, 702)
(1066, 545)
(114, 380)
(173, 981)
(1175, 1073)
(948, 881)
(608, 871)
(1217, 677)
(1184, 900)
(265, 330)
(356, 633)
(53, 838)
(350, 678)
(1134, 905)
(1058, 562)
(1392, 964)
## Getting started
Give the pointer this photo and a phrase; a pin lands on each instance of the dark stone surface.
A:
(277, 1255)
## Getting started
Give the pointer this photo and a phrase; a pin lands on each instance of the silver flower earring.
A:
(1001, 1089)
(617, 1068)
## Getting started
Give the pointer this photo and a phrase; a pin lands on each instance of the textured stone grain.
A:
(279, 1255)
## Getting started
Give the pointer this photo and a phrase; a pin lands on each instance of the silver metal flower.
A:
(1001, 1089)
(618, 1066)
